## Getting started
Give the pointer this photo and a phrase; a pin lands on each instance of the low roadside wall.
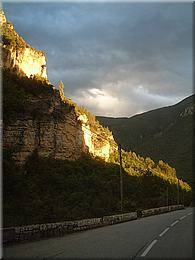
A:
(154, 211)
(39, 231)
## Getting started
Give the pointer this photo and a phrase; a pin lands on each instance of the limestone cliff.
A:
(57, 138)
(48, 123)
(99, 143)
(54, 128)
(19, 56)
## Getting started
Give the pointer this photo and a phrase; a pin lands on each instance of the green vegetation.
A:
(95, 126)
(18, 93)
(47, 190)
(15, 99)
(136, 165)
(162, 134)
(10, 37)
(33, 86)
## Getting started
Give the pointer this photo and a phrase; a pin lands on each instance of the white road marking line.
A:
(161, 234)
(149, 247)
(174, 223)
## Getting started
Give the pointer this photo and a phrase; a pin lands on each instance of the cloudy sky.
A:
(115, 59)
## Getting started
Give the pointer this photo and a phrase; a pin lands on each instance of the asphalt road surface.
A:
(168, 235)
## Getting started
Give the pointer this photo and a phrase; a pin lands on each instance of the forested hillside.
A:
(162, 134)
(46, 189)
(59, 162)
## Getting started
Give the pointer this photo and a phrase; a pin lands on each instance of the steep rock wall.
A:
(98, 145)
(2, 17)
(49, 125)
(59, 139)
(19, 56)
(60, 132)
(25, 61)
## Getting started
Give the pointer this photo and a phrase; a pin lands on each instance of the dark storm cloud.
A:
(117, 59)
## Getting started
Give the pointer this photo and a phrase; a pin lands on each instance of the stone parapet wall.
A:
(154, 211)
(39, 231)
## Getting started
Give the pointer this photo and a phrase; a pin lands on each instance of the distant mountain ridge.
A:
(165, 133)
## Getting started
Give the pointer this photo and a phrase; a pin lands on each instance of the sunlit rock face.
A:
(97, 145)
(2, 17)
(87, 134)
(18, 56)
(53, 127)
(26, 61)
(32, 63)
(103, 150)
(64, 139)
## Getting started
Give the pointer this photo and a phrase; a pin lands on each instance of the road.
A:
(168, 235)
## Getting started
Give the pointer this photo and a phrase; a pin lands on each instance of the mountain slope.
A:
(59, 163)
(163, 134)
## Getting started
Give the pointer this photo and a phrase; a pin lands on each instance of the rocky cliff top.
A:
(37, 116)
(18, 56)
(2, 17)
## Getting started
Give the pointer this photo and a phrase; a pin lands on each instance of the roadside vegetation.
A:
(47, 190)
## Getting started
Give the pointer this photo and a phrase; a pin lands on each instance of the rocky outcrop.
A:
(18, 56)
(25, 61)
(63, 138)
(51, 124)
(98, 145)
(56, 131)
(59, 139)
(2, 17)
